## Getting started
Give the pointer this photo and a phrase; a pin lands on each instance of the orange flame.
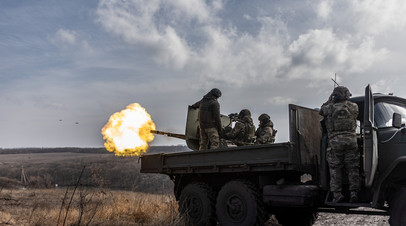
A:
(127, 133)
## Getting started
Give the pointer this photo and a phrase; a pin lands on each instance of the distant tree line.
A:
(100, 150)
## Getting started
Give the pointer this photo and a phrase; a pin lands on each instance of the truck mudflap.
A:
(292, 195)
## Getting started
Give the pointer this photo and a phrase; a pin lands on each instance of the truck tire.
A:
(239, 203)
(296, 216)
(398, 209)
(197, 204)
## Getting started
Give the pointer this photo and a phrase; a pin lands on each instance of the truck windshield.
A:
(384, 114)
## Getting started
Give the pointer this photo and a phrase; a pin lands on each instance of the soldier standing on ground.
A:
(244, 129)
(209, 120)
(341, 116)
(265, 133)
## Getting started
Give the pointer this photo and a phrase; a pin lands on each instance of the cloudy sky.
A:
(66, 66)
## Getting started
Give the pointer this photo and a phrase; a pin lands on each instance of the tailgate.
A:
(267, 157)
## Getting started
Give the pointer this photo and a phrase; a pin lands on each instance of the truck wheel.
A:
(239, 203)
(196, 204)
(398, 208)
(296, 216)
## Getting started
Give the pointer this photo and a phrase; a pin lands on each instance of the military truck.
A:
(244, 185)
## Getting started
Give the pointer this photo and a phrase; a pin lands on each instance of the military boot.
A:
(354, 197)
(338, 197)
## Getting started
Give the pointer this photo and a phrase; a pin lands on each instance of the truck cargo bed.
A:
(253, 158)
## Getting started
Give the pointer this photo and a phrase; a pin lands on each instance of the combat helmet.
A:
(341, 93)
(264, 118)
(216, 92)
(244, 112)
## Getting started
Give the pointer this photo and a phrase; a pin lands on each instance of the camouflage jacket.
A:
(265, 134)
(241, 133)
(340, 118)
(209, 112)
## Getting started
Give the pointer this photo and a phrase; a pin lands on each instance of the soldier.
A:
(265, 133)
(341, 116)
(209, 120)
(244, 129)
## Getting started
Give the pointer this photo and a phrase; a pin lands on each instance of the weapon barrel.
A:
(176, 135)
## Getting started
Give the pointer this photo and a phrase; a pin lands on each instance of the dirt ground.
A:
(338, 219)
(327, 219)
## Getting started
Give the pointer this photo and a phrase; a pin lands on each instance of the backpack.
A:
(342, 119)
(249, 132)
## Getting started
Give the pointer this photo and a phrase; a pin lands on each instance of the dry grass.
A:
(91, 203)
(88, 207)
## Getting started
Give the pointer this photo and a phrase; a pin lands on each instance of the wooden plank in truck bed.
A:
(253, 158)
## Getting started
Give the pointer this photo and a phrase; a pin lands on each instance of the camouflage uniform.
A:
(209, 120)
(341, 116)
(265, 133)
(244, 129)
(209, 138)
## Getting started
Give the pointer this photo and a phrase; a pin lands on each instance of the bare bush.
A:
(9, 183)
(89, 207)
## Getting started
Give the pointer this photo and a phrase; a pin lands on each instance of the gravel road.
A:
(338, 219)
(325, 219)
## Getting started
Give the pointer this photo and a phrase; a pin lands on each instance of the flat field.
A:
(111, 191)
(47, 168)
(73, 186)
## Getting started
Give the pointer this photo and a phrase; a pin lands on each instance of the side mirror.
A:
(397, 120)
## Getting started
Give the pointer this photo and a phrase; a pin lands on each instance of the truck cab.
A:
(383, 152)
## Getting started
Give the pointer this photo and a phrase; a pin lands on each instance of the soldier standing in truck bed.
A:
(341, 116)
(265, 133)
(244, 129)
(209, 120)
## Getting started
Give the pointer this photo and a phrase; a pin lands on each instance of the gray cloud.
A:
(379, 16)
(238, 58)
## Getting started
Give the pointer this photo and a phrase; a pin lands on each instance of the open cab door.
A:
(370, 139)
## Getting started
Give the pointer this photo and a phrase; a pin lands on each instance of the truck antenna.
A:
(335, 80)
